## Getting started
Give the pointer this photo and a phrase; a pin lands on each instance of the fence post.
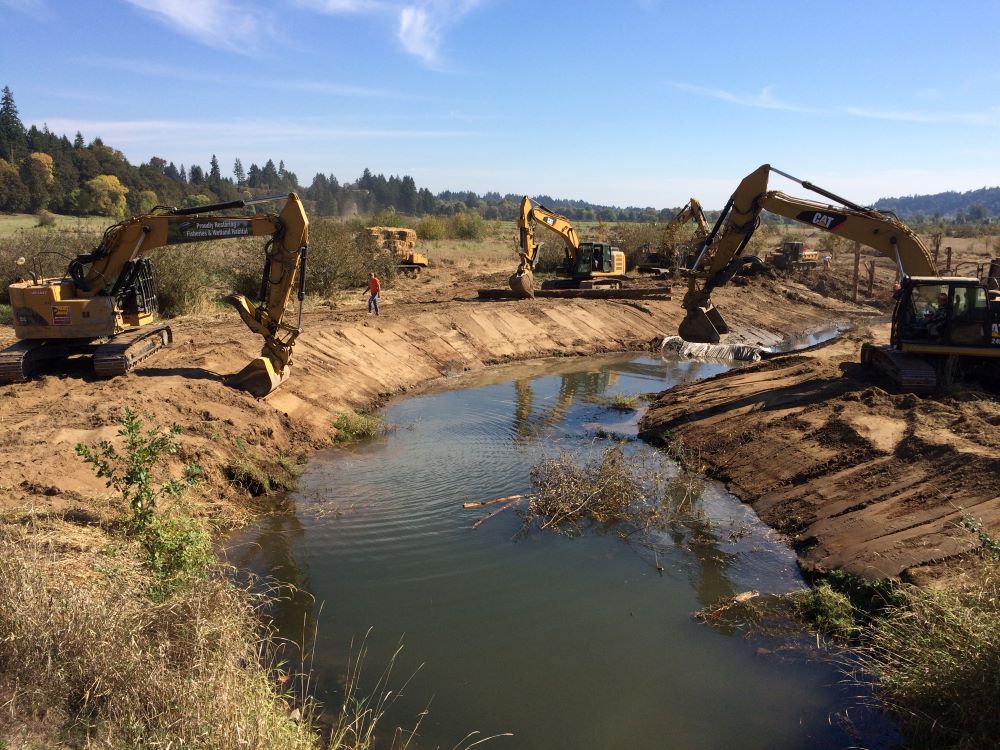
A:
(857, 266)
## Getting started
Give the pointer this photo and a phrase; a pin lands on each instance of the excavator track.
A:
(909, 372)
(122, 353)
(20, 361)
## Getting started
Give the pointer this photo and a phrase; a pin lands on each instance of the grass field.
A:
(10, 223)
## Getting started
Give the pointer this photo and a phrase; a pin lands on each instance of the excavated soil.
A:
(860, 478)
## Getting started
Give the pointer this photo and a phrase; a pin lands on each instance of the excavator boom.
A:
(721, 254)
(523, 280)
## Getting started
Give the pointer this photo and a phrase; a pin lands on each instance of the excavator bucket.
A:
(258, 378)
(523, 283)
(703, 326)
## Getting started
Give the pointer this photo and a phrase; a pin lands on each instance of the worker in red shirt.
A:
(374, 289)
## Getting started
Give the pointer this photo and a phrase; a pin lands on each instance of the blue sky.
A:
(636, 102)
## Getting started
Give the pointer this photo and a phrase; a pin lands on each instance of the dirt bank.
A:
(860, 478)
(345, 359)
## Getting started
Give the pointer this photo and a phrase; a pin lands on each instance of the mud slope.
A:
(862, 479)
(344, 360)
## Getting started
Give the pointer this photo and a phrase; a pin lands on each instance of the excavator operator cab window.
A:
(926, 313)
(945, 314)
(969, 315)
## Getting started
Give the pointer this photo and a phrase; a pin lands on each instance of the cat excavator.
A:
(105, 306)
(586, 264)
(940, 324)
(668, 257)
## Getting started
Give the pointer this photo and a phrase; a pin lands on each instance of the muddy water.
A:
(566, 643)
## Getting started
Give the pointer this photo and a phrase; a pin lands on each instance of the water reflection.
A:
(567, 643)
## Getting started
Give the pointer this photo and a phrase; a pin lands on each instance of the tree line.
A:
(44, 171)
(41, 170)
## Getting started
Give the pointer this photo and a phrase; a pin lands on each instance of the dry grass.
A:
(935, 662)
(94, 663)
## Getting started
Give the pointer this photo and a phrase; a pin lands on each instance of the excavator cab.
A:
(941, 314)
(591, 258)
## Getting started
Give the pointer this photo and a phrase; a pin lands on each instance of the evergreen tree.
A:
(214, 173)
(196, 175)
(238, 172)
(13, 141)
(269, 175)
(78, 140)
(184, 177)
(253, 176)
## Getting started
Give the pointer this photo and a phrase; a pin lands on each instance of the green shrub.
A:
(466, 226)
(829, 610)
(186, 279)
(431, 228)
(352, 426)
(177, 548)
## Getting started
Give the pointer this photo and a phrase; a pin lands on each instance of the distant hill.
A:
(970, 206)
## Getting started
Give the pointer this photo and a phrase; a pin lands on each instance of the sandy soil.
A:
(860, 478)
(806, 432)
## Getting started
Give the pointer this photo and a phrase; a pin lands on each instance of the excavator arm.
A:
(113, 266)
(691, 210)
(531, 212)
(721, 254)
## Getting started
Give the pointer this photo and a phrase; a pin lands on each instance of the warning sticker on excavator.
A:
(60, 315)
(198, 230)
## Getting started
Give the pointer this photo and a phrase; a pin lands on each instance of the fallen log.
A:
(481, 503)
(497, 512)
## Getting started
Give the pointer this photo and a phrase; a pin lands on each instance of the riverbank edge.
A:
(251, 451)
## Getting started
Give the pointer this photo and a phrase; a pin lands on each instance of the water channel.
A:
(564, 642)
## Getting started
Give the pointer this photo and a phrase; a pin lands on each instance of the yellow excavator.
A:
(586, 265)
(105, 305)
(939, 324)
(665, 260)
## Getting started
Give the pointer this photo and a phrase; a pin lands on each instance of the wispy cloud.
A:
(143, 132)
(420, 25)
(344, 6)
(764, 100)
(222, 24)
(988, 118)
(180, 73)
(34, 8)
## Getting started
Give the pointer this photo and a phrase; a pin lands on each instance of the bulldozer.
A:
(105, 305)
(401, 243)
(793, 256)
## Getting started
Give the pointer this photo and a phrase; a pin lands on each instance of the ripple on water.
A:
(568, 643)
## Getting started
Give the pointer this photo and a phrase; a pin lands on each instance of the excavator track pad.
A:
(123, 352)
(523, 284)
